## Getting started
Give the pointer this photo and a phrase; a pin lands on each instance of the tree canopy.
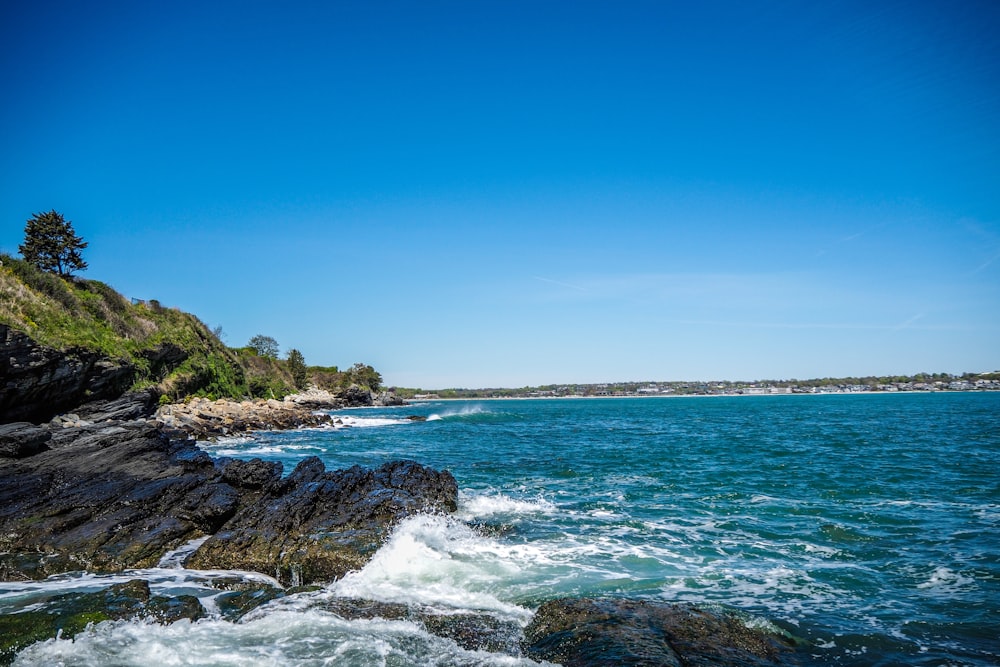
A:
(365, 376)
(264, 346)
(297, 367)
(51, 244)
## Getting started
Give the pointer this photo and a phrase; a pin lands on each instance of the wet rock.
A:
(590, 632)
(319, 525)
(22, 439)
(253, 474)
(476, 632)
(234, 605)
(473, 632)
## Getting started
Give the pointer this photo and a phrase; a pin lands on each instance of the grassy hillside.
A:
(168, 349)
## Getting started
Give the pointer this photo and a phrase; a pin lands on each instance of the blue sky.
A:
(513, 193)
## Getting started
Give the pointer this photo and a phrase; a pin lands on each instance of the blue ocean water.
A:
(866, 526)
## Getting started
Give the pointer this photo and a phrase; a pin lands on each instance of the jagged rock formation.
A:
(112, 494)
(588, 632)
(39, 382)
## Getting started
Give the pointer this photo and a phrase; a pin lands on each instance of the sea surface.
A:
(865, 526)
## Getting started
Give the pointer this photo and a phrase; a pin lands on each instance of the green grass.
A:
(68, 314)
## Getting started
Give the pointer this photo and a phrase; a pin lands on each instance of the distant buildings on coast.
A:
(922, 383)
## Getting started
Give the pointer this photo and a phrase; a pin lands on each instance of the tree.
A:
(365, 376)
(51, 244)
(297, 367)
(264, 346)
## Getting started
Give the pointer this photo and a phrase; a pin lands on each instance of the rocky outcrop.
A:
(40, 382)
(316, 525)
(109, 495)
(589, 632)
(356, 396)
(203, 418)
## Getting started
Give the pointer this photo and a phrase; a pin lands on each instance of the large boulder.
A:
(589, 632)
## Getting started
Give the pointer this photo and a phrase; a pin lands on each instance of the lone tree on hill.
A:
(264, 346)
(51, 244)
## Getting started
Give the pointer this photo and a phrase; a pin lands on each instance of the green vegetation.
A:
(166, 348)
(169, 350)
(264, 346)
(297, 368)
(50, 244)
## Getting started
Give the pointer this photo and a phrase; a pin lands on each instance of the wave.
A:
(439, 563)
(306, 639)
(464, 411)
(479, 506)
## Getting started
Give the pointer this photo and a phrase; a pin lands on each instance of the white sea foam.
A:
(170, 581)
(944, 580)
(368, 422)
(463, 411)
(308, 638)
(176, 557)
(441, 563)
(479, 506)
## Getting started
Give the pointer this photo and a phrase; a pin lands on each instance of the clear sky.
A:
(476, 194)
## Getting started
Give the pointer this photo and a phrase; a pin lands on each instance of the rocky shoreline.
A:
(117, 484)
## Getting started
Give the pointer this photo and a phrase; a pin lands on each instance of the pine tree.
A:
(297, 367)
(51, 244)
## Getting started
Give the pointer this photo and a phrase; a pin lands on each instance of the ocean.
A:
(865, 526)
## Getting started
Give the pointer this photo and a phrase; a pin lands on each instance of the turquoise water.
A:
(867, 526)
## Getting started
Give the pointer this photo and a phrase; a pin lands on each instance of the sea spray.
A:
(438, 562)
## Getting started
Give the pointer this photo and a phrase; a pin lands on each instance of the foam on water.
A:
(17, 596)
(461, 411)
(472, 506)
(437, 562)
(303, 638)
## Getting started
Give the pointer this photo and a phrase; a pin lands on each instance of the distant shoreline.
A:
(424, 399)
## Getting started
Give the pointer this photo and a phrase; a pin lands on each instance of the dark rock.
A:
(320, 525)
(591, 632)
(253, 474)
(22, 439)
(132, 406)
(417, 418)
(476, 632)
(118, 494)
(473, 632)
(387, 399)
(356, 396)
(234, 605)
(40, 382)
